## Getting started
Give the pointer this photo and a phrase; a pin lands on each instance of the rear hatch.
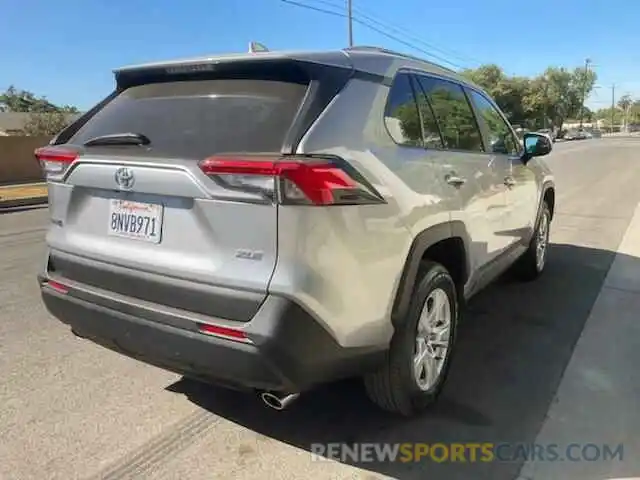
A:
(134, 213)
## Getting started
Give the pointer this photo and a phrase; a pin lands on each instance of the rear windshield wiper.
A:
(119, 139)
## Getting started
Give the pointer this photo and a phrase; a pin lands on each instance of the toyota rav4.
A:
(273, 221)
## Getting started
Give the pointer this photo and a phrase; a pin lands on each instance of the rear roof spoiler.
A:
(209, 63)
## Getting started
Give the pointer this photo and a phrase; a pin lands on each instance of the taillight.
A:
(55, 160)
(293, 180)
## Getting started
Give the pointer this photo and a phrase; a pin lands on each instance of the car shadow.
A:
(513, 347)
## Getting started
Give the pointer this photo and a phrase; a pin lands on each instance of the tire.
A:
(529, 266)
(395, 388)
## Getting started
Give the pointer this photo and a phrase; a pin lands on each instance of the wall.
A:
(17, 163)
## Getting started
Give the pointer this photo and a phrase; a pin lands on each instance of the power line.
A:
(402, 31)
(375, 29)
(317, 9)
(408, 44)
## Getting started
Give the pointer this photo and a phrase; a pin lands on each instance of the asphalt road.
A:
(69, 409)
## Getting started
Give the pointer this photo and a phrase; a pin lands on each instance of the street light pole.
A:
(350, 19)
(584, 88)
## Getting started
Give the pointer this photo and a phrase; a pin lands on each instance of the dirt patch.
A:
(20, 192)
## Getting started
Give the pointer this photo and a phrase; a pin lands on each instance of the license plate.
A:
(135, 220)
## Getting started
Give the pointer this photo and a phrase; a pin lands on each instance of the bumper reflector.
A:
(57, 286)
(224, 332)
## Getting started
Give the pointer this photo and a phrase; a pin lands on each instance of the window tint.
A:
(501, 138)
(455, 117)
(430, 129)
(196, 119)
(401, 115)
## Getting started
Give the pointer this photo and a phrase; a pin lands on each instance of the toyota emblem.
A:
(124, 178)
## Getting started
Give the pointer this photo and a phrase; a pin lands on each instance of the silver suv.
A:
(275, 221)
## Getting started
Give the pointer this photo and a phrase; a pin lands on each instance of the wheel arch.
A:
(549, 196)
(438, 240)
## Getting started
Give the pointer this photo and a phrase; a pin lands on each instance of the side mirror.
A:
(535, 145)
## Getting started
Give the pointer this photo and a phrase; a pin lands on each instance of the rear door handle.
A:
(455, 180)
(509, 181)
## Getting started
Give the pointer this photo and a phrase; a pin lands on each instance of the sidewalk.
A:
(13, 196)
(597, 400)
(621, 134)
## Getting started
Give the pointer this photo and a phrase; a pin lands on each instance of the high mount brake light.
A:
(55, 160)
(291, 180)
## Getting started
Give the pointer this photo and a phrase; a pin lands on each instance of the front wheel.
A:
(532, 263)
(420, 353)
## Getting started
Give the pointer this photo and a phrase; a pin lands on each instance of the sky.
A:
(66, 49)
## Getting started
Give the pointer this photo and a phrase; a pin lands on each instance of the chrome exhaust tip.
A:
(278, 402)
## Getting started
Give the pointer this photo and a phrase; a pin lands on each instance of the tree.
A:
(604, 116)
(634, 113)
(624, 102)
(15, 100)
(540, 102)
(565, 93)
(583, 81)
(508, 92)
(46, 124)
(45, 119)
(627, 108)
(588, 115)
(69, 109)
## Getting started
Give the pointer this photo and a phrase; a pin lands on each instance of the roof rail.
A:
(365, 48)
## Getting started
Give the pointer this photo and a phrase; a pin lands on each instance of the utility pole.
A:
(350, 19)
(584, 88)
(625, 113)
(613, 105)
(546, 100)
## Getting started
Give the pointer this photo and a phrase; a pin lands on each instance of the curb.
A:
(22, 202)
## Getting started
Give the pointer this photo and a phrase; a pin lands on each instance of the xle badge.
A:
(249, 254)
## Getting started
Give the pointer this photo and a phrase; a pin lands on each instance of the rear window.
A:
(195, 119)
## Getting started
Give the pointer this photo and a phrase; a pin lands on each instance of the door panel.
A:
(522, 196)
(481, 204)
(469, 171)
(517, 179)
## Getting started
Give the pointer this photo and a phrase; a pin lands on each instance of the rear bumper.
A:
(287, 349)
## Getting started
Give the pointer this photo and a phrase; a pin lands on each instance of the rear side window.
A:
(196, 119)
(401, 115)
(430, 128)
(453, 113)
